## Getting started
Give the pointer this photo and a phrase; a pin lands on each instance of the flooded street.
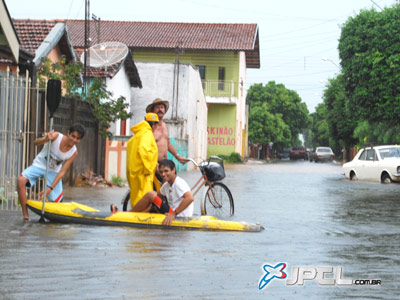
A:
(312, 216)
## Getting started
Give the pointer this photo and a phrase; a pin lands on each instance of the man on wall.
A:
(160, 107)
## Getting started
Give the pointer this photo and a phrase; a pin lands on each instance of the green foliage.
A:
(68, 73)
(370, 58)
(104, 108)
(341, 122)
(376, 133)
(118, 181)
(319, 126)
(362, 105)
(223, 156)
(233, 158)
(276, 115)
(3, 199)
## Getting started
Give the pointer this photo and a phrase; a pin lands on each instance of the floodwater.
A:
(313, 217)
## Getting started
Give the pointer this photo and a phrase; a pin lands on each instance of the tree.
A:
(369, 51)
(341, 122)
(104, 108)
(319, 126)
(276, 115)
(375, 133)
(266, 127)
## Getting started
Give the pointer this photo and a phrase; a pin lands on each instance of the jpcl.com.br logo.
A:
(323, 276)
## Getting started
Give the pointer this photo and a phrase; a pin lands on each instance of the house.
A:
(9, 43)
(221, 53)
(12, 55)
(44, 39)
(186, 117)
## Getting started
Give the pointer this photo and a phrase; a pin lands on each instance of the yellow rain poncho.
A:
(141, 161)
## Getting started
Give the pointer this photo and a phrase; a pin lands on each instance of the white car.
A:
(322, 154)
(380, 163)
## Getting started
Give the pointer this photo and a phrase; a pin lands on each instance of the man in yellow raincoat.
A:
(142, 157)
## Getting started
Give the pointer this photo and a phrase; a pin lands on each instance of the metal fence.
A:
(13, 90)
(20, 116)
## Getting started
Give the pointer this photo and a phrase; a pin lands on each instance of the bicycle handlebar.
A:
(193, 161)
(208, 160)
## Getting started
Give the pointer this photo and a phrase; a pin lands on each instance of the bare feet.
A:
(114, 208)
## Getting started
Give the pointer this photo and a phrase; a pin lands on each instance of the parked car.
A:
(322, 154)
(284, 154)
(380, 163)
(298, 152)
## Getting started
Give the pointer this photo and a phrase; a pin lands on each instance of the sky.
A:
(294, 35)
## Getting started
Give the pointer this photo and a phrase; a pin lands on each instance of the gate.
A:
(14, 135)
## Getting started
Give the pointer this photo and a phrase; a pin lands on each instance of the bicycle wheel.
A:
(125, 201)
(218, 201)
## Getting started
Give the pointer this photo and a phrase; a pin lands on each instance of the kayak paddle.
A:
(53, 98)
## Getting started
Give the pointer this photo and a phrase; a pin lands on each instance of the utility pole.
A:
(86, 46)
(95, 18)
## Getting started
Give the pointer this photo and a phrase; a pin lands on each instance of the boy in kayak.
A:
(62, 154)
(175, 198)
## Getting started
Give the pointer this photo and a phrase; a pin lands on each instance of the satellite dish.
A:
(105, 54)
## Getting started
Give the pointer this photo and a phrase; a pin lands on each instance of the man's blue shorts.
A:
(33, 173)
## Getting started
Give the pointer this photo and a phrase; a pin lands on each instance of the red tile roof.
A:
(169, 35)
(32, 33)
(161, 35)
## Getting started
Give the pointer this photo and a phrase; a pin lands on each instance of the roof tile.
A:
(32, 32)
(206, 36)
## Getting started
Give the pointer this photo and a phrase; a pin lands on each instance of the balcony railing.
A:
(218, 88)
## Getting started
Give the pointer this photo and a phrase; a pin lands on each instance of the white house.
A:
(187, 114)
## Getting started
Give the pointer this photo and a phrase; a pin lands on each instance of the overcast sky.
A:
(294, 35)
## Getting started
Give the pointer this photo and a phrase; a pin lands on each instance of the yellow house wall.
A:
(221, 129)
(211, 59)
(225, 122)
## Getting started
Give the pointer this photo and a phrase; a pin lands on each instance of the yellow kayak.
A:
(72, 212)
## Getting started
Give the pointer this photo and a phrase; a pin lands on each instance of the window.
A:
(221, 78)
(368, 154)
(363, 155)
(202, 72)
(371, 154)
(123, 127)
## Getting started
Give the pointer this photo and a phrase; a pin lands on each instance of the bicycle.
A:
(218, 200)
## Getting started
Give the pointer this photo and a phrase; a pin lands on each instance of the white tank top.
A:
(56, 156)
